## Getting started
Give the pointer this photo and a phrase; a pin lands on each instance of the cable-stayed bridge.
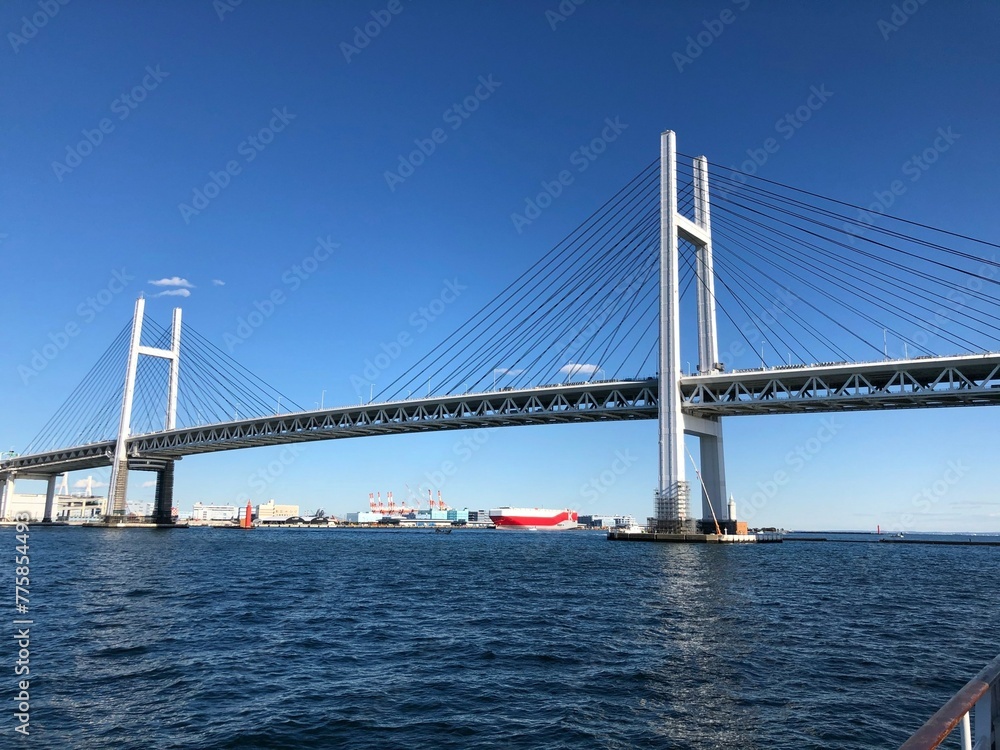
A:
(808, 294)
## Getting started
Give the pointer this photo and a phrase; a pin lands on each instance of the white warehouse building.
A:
(204, 512)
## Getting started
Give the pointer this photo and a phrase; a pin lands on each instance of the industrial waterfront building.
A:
(607, 521)
(270, 511)
(83, 506)
(202, 512)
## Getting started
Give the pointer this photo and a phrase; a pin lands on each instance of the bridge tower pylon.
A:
(118, 486)
(671, 502)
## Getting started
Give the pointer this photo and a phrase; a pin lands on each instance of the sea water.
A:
(300, 638)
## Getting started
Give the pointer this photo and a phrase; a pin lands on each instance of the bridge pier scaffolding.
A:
(114, 509)
(163, 497)
(671, 501)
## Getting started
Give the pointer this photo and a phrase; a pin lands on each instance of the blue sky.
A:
(72, 216)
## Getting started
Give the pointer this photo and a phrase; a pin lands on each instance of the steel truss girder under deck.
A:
(969, 380)
(589, 402)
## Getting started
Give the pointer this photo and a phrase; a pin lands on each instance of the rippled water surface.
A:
(294, 638)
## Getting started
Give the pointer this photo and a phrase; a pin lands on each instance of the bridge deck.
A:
(966, 380)
(970, 380)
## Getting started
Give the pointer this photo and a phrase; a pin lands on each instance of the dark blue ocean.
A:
(200, 638)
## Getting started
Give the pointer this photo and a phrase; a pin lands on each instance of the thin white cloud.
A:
(149, 483)
(218, 282)
(172, 281)
(579, 369)
(507, 371)
(82, 483)
(174, 293)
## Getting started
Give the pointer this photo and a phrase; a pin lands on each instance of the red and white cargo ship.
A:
(542, 519)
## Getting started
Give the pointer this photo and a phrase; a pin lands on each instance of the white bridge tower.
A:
(672, 496)
(118, 486)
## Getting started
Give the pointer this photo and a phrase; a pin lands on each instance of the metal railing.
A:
(976, 708)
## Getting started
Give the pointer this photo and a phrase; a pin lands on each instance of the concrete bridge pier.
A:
(7, 497)
(164, 497)
(50, 498)
(711, 484)
(10, 486)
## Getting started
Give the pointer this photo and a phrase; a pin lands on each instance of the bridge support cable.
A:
(913, 256)
(778, 307)
(72, 421)
(776, 200)
(572, 334)
(511, 303)
(759, 320)
(557, 312)
(878, 279)
(808, 238)
(217, 388)
(237, 371)
(572, 300)
(878, 293)
(644, 365)
(503, 334)
(217, 397)
(613, 340)
(838, 302)
(586, 248)
(752, 183)
(566, 342)
(735, 260)
(836, 284)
